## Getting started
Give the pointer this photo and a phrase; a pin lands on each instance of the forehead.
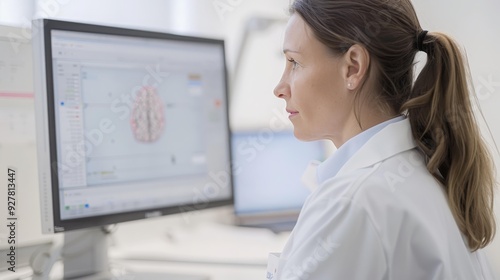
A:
(300, 38)
(297, 33)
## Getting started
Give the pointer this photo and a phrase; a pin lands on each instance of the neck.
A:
(361, 122)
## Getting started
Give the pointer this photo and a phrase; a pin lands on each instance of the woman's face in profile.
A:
(312, 85)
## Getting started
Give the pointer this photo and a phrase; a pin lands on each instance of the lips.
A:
(292, 112)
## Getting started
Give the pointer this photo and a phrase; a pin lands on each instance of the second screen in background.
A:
(267, 171)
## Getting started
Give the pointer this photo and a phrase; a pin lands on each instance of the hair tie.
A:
(420, 40)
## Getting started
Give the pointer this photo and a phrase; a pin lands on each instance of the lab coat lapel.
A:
(392, 140)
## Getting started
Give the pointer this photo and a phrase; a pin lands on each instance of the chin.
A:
(303, 136)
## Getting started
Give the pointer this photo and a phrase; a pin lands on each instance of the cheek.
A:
(317, 90)
(323, 94)
(327, 103)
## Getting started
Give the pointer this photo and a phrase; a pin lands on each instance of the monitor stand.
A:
(84, 255)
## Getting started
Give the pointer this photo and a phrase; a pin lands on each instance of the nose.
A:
(282, 89)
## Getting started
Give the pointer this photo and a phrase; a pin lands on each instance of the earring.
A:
(349, 85)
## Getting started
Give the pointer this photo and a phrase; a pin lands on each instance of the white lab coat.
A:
(382, 216)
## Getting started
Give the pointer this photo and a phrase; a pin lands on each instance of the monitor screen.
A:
(130, 124)
(268, 167)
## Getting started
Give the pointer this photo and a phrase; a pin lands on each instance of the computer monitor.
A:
(268, 166)
(130, 124)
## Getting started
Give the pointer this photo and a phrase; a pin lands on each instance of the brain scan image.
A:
(147, 119)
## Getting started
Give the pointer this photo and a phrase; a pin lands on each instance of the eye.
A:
(294, 63)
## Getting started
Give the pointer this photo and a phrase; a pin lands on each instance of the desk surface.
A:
(218, 251)
(125, 270)
(205, 244)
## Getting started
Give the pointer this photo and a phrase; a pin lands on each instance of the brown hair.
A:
(437, 104)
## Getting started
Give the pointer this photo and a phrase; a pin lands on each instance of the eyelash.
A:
(293, 62)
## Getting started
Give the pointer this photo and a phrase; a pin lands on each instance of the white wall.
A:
(13, 12)
(17, 135)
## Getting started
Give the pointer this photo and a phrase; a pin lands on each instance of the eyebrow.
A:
(289, 50)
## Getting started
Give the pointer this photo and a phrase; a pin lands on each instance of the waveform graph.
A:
(147, 119)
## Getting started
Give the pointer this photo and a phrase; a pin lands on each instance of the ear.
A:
(357, 61)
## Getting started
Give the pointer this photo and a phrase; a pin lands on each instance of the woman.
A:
(409, 192)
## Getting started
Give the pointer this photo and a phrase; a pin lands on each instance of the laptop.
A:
(267, 171)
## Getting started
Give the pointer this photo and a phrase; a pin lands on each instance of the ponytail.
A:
(445, 129)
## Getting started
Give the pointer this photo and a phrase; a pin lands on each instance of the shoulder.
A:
(333, 231)
(394, 212)
(393, 178)
(396, 193)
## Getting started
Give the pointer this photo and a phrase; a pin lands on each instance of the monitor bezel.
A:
(60, 225)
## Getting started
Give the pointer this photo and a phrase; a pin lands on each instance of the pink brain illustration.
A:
(148, 118)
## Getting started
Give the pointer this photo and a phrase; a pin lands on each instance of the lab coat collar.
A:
(391, 140)
(330, 167)
(310, 175)
(394, 138)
